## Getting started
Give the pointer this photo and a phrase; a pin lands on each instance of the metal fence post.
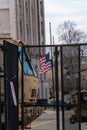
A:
(57, 86)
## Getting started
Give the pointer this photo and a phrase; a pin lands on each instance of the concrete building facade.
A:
(8, 25)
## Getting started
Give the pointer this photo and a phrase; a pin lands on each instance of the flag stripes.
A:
(45, 64)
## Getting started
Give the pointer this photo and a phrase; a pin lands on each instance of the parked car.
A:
(67, 103)
(53, 102)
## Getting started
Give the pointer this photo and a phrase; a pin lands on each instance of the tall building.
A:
(23, 20)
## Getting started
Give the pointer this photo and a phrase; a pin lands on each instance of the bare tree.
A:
(68, 33)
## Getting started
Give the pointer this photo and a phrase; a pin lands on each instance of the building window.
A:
(19, 1)
(42, 28)
(33, 94)
(41, 8)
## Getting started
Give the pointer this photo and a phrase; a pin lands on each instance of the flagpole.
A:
(51, 58)
(53, 74)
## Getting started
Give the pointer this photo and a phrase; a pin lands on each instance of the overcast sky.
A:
(58, 11)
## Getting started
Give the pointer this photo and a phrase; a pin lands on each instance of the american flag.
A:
(45, 63)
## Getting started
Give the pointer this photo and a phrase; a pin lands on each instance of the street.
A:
(47, 121)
